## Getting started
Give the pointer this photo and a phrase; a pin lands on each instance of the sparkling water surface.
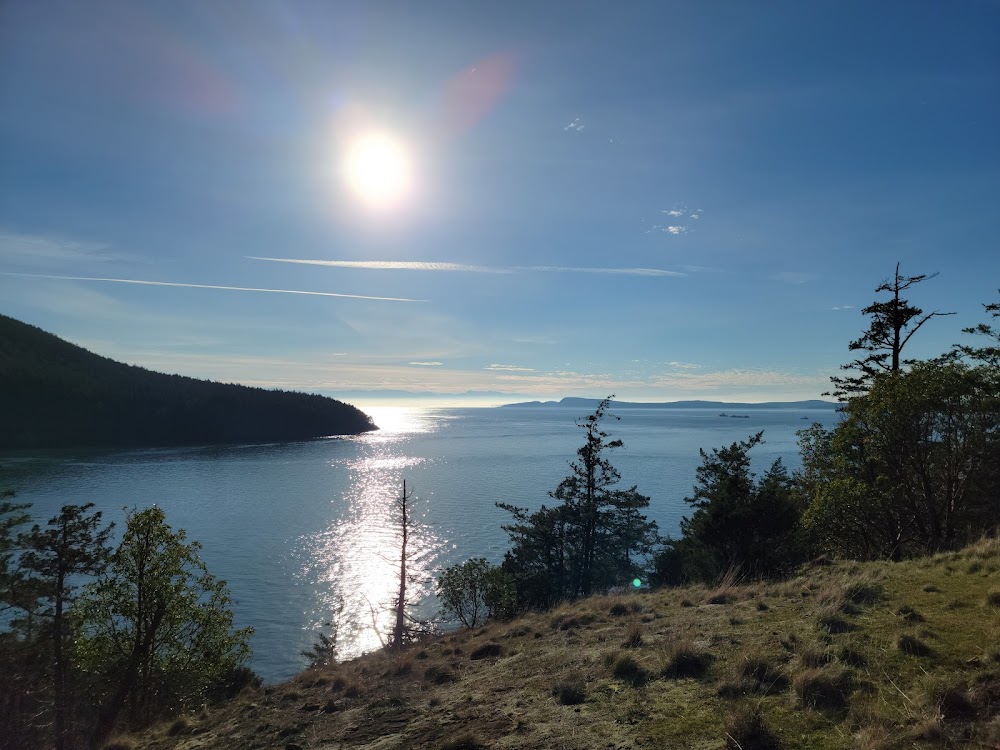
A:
(304, 533)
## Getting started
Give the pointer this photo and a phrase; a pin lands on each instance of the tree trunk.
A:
(400, 626)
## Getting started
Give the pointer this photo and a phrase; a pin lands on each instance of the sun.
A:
(378, 170)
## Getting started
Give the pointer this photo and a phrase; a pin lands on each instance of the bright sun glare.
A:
(378, 170)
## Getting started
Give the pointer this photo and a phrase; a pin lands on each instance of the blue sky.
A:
(662, 200)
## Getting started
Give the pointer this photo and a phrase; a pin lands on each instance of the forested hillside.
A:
(54, 394)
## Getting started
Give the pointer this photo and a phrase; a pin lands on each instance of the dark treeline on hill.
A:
(54, 394)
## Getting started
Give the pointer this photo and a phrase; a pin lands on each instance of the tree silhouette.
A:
(592, 538)
(73, 545)
(893, 323)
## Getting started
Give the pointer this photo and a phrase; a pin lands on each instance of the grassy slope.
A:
(817, 658)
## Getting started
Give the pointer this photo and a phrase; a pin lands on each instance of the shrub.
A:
(474, 591)
(993, 598)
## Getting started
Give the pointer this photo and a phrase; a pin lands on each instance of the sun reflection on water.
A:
(354, 563)
(394, 421)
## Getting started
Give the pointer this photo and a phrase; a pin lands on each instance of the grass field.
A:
(844, 655)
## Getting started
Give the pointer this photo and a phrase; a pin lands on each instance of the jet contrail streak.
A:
(211, 286)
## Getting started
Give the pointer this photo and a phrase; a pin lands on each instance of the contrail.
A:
(583, 269)
(388, 265)
(212, 286)
(413, 265)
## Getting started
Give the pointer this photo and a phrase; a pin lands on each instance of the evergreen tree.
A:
(988, 355)
(592, 539)
(739, 522)
(893, 323)
(72, 545)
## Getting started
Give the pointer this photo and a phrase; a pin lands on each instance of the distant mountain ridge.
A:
(591, 403)
(54, 394)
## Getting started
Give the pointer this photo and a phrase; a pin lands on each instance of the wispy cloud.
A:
(794, 277)
(684, 365)
(575, 125)
(143, 282)
(508, 368)
(388, 265)
(16, 247)
(680, 209)
(398, 265)
(426, 364)
(626, 271)
(843, 307)
(675, 229)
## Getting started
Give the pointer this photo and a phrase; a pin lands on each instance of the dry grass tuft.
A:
(865, 593)
(571, 691)
(746, 729)
(463, 742)
(628, 670)
(993, 598)
(909, 614)
(823, 690)
(726, 590)
(758, 674)
(633, 638)
(439, 675)
(684, 659)
(813, 656)
(486, 651)
(833, 623)
(852, 657)
(913, 646)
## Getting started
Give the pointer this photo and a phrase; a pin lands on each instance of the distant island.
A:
(591, 403)
(54, 394)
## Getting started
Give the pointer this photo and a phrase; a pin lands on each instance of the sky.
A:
(488, 202)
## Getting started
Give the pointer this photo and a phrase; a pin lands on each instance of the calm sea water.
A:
(304, 532)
